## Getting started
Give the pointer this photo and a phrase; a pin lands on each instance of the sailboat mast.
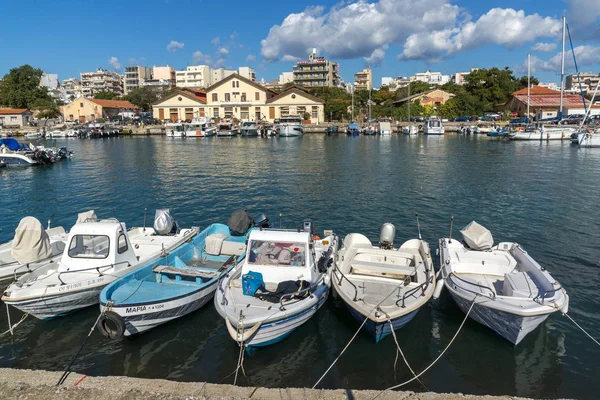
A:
(409, 103)
(352, 118)
(528, 85)
(369, 104)
(562, 68)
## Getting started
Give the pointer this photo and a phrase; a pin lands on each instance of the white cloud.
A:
(199, 58)
(233, 35)
(223, 51)
(437, 29)
(216, 41)
(289, 58)
(136, 61)
(174, 45)
(114, 62)
(544, 47)
(376, 58)
(586, 55)
(584, 12)
(250, 57)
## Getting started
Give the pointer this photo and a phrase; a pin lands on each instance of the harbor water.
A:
(542, 195)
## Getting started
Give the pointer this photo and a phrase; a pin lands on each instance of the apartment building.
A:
(135, 77)
(431, 78)
(202, 76)
(587, 81)
(395, 84)
(363, 80)
(101, 80)
(316, 71)
(72, 89)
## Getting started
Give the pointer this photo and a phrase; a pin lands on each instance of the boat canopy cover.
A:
(239, 222)
(477, 237)
(87, 215)
(31, 242)
(11, 144)
(164, 222)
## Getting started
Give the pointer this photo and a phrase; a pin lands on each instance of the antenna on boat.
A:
(280, 216)
(145, 209)
(418, 227)
(451, 222)
(48, 223)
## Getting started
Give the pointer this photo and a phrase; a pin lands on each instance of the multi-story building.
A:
(459, 77)
(101, 81)
(395, 84)
(317, 71)
(286, 77)
(194, 76)
(72, 89)
(220, 74)
(585, 80)
(164, 73)
(50, 81)
(363, 80)
(135, 77)
(247, 72)
(386, 80)
(431, 78)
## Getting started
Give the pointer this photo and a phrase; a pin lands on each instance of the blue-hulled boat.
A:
(353, 129)
(498, 133)
(173, 286)
(384, 285)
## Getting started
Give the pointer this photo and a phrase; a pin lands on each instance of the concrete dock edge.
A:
(30, 384)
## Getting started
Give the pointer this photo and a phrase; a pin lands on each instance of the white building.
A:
(50, 81)
(459, 77)
(286, 77)
(247, 73)
(386, 80)
(395, 84)
(72, 89)
(431, 78)
(587, 81)
(101, 80)
(202, 76)
(135, 77)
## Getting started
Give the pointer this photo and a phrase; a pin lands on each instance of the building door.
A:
(161, 114)
(271, 113)
(82, 119)
(257, 113)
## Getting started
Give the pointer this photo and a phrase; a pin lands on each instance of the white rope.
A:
(240, 363)
(355, 334)
(582, 330)
(11, 329)
(434, 361)
(399, 350)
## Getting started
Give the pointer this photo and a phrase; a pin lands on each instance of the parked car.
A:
(462, 119)
(488, 118)
(593, 119)
(493, 114)
(573, 119)
(417, 119)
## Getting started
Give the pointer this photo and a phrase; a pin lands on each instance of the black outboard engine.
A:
(262, 221)
(325, 261)
(239, 222)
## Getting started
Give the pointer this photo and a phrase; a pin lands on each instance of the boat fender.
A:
(116, 329)
(244, 335)
(439, 285)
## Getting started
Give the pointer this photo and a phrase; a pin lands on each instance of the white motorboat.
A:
(385, 285)
(282, 282)
(174, 129)
(200, 127)
(410, 130)
(226, 129)
(290, 126)
(14, 153)
(97, 253)
(31, 247)
(512, 293)
(433, 126)
(33, 135)
(249, 129)
(56, 134)
(384, 128)
(542, 133)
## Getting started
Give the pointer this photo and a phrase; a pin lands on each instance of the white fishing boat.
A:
(382, 284)
(56, 134)
(384, 128)
(282, 282)
(174, 129)
(542, 133)
(290, 126)
(97, 253)
(226, 129)
(31, 247)
(511, 292)
(33, 135)
(200, 127)
(433, 126)
(249, 129)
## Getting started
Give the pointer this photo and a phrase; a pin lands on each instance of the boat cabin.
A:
(281, 255)
(97, 244)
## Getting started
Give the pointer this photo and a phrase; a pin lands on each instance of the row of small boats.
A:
(266, 282)
(204, 127)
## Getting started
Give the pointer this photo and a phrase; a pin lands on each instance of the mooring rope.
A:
(399, 350)
(67, 371)
(582, 330)
(11, 328)
(434, 361)
(356, 334)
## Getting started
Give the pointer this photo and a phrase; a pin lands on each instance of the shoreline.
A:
(25, 384)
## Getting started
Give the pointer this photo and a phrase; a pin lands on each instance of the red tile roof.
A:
(294, 89)
(12, 111)
(553, 100)
(536, 90)
(113, 103)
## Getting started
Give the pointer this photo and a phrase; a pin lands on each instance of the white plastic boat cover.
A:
(31, 242)
(477, 237)
(163, 221)
(84, 216)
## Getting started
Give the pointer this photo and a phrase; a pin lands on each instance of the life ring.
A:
(111, 325)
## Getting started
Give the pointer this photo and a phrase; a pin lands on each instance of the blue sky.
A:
(396, 37)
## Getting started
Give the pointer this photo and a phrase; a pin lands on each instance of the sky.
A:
(393, 37)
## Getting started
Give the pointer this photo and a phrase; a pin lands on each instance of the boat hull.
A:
(379, 330)
(541, 136)
(588, 140)
(16, 159)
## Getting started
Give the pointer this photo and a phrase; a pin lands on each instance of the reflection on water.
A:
(542, 195)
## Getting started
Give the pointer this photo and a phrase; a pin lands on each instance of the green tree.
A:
(142, 97)
(105, 96)
(47, 109)
(415, 88)
(20, 88)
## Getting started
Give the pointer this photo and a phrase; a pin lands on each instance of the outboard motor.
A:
(164, 223)
(387, 236)
(262, 221)
(239, 222)
(307, 226)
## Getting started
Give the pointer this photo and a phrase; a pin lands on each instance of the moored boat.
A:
(225, 128)
(381, 284)
(410, 130)
(174, 129)
(282, 282)
(353, 129)
(290, 126)
(504, 288)
(199, 127)
(433, 126)
(249, 129)
(97, 253)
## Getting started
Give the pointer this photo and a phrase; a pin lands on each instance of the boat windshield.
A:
(89, 246)
(277, 253)
(434, 123)
(249, 124)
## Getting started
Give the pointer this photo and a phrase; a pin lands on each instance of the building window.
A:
(284, 111)
(243, 97)
(216, 112)
(80, 105)
(227, 97)
(300, 110)
(232, 84)
(257, 96)
(315, 112)
(13, 119)
(201, 112)
(215, 97)
(228, 112)
(244, 113)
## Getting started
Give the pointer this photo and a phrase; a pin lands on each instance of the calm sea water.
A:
(544, 196)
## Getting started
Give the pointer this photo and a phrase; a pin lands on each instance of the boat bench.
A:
(479, 262)
(519, 284)
(381, 269)
(216, 244)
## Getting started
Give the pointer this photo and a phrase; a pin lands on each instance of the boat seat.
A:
(188, 272)
(217, 244)
(519, 284)
(382, 270)
(484, 262)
